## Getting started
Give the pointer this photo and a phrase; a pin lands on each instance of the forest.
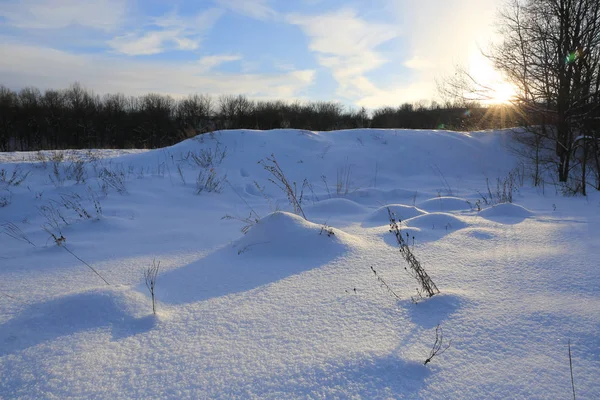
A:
(76, 117)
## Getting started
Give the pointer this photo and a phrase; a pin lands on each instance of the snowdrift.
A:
(445, 204)
(333, 207)
(287, 235)
(436, 221)
(510, 211)
(280, 245)
(381, 217)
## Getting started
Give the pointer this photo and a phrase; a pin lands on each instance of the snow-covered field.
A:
(286, 310)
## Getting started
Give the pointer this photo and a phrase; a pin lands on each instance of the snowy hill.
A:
(290, 308)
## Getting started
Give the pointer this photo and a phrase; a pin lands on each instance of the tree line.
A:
(77, 118)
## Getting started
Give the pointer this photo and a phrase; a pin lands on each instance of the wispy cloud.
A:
(346, 44)
(209, 62)
(418, 63)
(258, 9)
(415, 91)
(134, 44)
(169, 32)
(46, 14)
(383, 53)
(21, 67)
(435, 36)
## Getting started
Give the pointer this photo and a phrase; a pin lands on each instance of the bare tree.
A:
(236, 112)
(550, 52)
(193, 114)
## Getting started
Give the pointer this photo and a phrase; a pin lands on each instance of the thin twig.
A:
(279, 179)
(88, 265)
(380, 279)
(438, 346)
(416, 270)
(12, 297)
(12, 230)
(571, 366)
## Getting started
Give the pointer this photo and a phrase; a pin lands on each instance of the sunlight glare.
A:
(501, 92)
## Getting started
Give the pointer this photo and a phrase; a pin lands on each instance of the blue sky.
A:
(361, 53)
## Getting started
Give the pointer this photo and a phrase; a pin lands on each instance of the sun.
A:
(501, 93)
(498, 90)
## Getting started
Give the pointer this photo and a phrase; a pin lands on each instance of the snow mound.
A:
(335, 206)
(506, 210)
(283, 234)
(445, 204)
(380, 216)
(125, 311)
(277, 247)
(436, 221)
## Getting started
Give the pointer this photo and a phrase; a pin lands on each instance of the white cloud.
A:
(434, 35)
(445, 33)
(431, 36)
(174, 32)
(346, 44)
(258, 9)
(49, 68)
(46, 14)
(392, 96)
(440, 35)
(149, 43)
(343, 33)
(209, 62)
(418, 63)
(185, 43)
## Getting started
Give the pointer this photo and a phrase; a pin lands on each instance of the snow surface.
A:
(400, 211)
(291, 309)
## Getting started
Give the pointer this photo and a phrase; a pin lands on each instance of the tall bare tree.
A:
(551, 53)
